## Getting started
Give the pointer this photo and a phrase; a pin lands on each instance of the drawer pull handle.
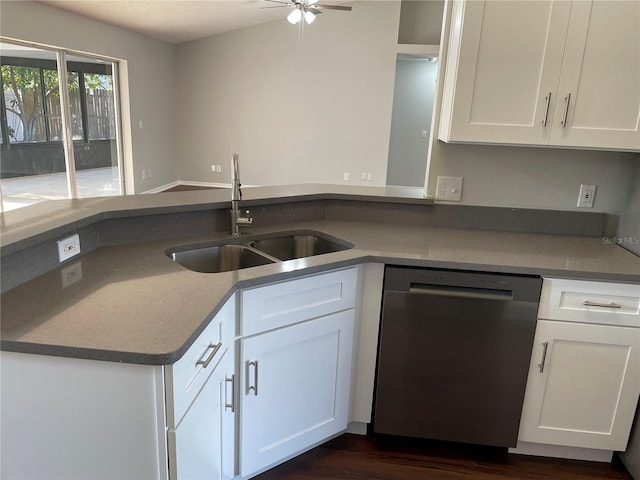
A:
(205, 363)
(588, 303)
(231, 405)
(545, 346)
(253, 387)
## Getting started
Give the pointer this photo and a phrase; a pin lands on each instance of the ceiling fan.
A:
(307, 9)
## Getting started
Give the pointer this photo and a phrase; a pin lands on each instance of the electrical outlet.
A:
(68, 247)
(218, 168)
(586, 197)
(363, 176)
(213, 167)
(346, 176)
(449, 188)
(144, 174)
(369, 177)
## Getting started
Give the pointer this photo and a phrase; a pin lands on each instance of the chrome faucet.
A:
(236, 195)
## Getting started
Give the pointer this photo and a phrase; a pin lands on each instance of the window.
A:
(34, 165)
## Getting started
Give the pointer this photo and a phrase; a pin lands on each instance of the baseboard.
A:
(358, 428)
(178, 183)
(560, 451)
(204, 184)
(161, 188)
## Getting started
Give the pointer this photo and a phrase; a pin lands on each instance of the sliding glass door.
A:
(59, 139)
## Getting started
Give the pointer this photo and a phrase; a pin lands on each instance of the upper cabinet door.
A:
(504, 62)
(555, 73)
(601, 73)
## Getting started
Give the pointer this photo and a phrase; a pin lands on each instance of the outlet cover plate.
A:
(586, 196)
(68, 247)
(449, 188)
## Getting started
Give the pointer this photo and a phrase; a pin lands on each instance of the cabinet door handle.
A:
(253, 387)
(567, 100)
(205, 363)
(545, 345)
(546, 110)
(231, 405)
(589, 303)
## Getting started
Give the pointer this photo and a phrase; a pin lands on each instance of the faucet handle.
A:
(246, 220)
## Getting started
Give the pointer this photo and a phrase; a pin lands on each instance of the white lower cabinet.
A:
(295, 391)
(295, 368)
(584, 377)
(202, 446)
(583, 385)
(201, 404)
(288, 390)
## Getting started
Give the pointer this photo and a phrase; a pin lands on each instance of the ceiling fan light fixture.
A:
(309, 17)
(295, 16)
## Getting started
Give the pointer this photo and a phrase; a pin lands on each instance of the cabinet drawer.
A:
(590, 302)
(185, 378)
(286, 303)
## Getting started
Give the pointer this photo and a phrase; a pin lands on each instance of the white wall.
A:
(292, 118)
(413, 97)
(150, 67)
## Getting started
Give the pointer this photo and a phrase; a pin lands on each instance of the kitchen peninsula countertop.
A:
(131, 303)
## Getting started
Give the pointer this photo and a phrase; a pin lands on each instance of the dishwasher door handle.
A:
(461, 292)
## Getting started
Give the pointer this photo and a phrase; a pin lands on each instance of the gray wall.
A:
(413, 97)
(629, 231)
(150, 67)
(420, 21)
(292, 117)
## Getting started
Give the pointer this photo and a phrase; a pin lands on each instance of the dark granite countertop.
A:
(131, 303)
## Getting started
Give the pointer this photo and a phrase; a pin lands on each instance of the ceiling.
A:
(176, 21)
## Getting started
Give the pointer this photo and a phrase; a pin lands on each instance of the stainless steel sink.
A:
(221, 258)
(252, 251)
(290, 246)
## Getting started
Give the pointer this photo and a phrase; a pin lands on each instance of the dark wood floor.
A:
(355, 457)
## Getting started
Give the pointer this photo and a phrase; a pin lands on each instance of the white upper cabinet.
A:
(555, 73)
(601, 72)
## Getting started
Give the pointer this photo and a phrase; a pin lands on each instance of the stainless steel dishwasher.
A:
(454, 354)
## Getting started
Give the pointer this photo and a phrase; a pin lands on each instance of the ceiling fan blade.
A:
(275, 6)
(313, 10)
(333, 7)
(282, 3)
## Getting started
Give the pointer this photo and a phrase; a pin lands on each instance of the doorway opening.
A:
(413, 99)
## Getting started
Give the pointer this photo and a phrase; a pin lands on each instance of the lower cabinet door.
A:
(202, 446)
(295, 391)
(583, 385)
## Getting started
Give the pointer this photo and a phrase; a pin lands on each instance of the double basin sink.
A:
(251, 251)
